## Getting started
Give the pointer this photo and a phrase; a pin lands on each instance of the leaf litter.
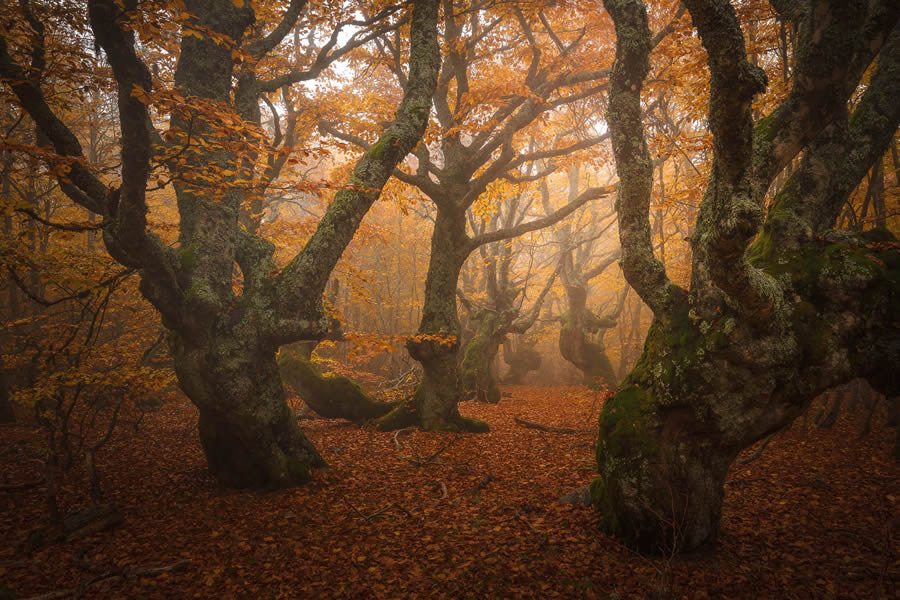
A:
(444, 515)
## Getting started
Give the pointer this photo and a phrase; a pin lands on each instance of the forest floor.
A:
(816, 516)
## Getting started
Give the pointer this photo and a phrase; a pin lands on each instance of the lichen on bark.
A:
(781, 307)
(224, 341)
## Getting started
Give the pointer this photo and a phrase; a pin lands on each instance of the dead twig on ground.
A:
(421, 462)
(518, 517)
(401, 432)
(368, 518)
(481, 484)
(439, 485)
(758, 452)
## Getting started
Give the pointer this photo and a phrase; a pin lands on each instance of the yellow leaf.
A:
(238, 3)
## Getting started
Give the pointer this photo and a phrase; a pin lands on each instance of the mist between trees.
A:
(377, 211)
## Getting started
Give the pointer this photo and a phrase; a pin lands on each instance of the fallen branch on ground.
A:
(439, 485)
(759, 451)
(401, 432)
(546, 428)
(112, 574)
(420, 462)
(481, 484)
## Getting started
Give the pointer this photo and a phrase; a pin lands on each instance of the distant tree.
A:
(223, 337)
(486, 113)
(522, 358)
(503, 311)
(781, 306)
(581, 331)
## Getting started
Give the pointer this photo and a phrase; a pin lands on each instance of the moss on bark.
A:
(331, 396)
(705, 389)
(477, 375)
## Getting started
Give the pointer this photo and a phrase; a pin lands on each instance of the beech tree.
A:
(224, 340)
(581, 331)
(780, 306)
(483, 111)
(503, 313)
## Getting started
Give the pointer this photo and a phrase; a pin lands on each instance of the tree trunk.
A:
(477, 376)
(433, 406)
(575, 344)
(521, 362)
(704, 390)
(331, 396)
(247, 431)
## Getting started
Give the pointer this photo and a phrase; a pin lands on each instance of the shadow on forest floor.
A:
(814, 517)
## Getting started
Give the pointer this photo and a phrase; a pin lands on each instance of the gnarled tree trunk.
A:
(482, 349)
(521, 362)
(224, 343)
(433, 406)
(765, 328)
(248, 433)
(576, 345)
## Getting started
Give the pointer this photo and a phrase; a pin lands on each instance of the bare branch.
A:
(263, 46)
(554, 217)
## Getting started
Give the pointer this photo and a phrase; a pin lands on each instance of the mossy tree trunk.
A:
(503, 314)
(581, 337)
(225, 342)
(331, 396)
(482, 349)
(522, 361)
(581, 331)
(767, 327)
(433, 406)
(248, 433)
(495, 323)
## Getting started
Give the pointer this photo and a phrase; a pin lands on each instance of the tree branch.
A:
(263, 46)
(93, 192)
(832, 33)
(554, 217)
(327, 55)
(310, 269)
(642, 270)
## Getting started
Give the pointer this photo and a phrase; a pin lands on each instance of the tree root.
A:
(405, 416)
(76, 525)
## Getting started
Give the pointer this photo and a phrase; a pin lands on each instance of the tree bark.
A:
(433, 406)
(248, 433)
(766, 328)
(477, 375)
(330, 396)
(575, 344)
(224, 344)
(521, 362)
